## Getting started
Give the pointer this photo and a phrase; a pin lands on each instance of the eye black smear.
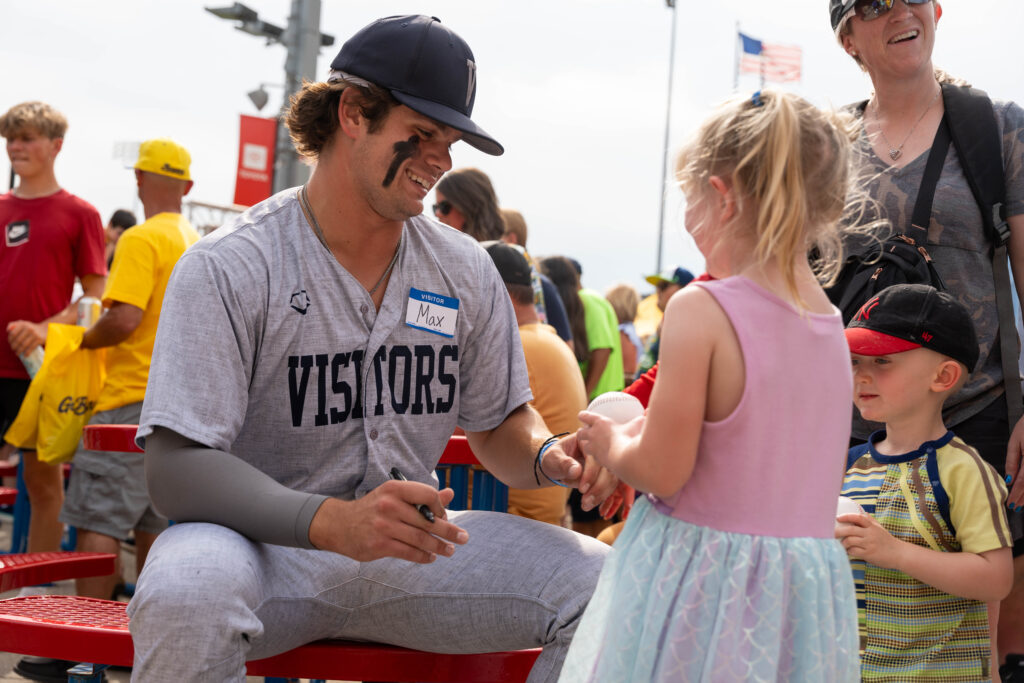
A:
(403, 150)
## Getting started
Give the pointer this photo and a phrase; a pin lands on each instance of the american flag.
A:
(773, 62)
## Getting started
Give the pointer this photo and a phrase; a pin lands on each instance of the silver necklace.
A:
(311, 218)
(896, 152)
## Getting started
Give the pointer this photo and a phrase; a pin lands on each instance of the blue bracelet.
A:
(538, 463)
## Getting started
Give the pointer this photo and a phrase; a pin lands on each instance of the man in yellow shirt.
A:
(107, 496)
(555, 380)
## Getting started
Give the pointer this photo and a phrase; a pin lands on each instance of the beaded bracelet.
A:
(538, 463)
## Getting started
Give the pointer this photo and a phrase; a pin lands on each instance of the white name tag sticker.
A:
(432, 312)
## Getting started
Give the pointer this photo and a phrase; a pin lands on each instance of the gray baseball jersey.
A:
(268, 349)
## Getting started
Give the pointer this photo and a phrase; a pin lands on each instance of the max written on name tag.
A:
(432, 312)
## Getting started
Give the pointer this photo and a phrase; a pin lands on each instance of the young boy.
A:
(50, 238)
(934, 546)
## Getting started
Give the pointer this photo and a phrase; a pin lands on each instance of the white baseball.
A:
(617, 406)
(846, 506)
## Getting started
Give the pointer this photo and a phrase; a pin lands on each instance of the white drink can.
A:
(33, 360)
(89, 310)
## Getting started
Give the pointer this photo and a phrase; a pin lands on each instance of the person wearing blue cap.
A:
(321, 341)
(666, 283)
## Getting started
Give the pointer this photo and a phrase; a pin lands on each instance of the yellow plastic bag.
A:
(73, 385)
(22, 432)
(68, 385)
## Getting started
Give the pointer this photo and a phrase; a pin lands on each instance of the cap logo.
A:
(926, 336)
(170, 169)
(470, 80)
(865, 311)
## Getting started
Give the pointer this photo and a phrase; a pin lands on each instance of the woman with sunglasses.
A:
(892, 40)
(467, 202)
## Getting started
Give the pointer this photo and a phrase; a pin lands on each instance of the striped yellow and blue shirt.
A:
(945, 497)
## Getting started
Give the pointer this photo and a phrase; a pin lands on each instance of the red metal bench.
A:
(31, 569)
(86, 629)
(117, 438)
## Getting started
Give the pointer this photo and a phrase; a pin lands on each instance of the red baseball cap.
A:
(868, 342)
(905, 317)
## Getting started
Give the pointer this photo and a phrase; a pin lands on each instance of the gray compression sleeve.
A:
(189, 482)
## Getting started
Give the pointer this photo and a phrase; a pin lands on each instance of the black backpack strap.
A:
(979, 147)
(976, 138)
(922, 215)
(1009, 345)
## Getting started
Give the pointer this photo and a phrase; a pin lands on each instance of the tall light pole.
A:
(668, 125)
(302, 40)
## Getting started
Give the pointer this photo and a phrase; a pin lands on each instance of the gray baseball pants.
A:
(209, 598)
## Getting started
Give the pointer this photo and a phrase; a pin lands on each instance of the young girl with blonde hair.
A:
(729, 570)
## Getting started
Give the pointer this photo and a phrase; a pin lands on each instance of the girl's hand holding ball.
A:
(597, 435)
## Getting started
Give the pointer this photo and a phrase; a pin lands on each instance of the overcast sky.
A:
(576, 91)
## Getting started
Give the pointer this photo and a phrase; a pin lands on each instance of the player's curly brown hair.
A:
(312, 116)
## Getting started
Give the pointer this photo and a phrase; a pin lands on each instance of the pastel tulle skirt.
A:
(680, 602)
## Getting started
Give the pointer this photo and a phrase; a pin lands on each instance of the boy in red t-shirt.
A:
(50, 238)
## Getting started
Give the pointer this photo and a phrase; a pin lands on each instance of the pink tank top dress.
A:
(775, 466)
(738, 577)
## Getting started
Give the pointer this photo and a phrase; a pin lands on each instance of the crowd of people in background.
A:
(728, 567)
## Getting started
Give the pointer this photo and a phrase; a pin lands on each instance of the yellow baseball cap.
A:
(165, 157)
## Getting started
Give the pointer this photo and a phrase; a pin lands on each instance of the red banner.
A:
(254, 181)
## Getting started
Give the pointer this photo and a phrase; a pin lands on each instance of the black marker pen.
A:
(424, 510)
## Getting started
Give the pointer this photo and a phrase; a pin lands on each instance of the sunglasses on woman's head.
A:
(872, 9)
(442, 208)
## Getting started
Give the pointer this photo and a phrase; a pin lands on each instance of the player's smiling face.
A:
(399, 164)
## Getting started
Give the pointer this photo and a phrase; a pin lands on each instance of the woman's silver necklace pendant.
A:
(896, 152)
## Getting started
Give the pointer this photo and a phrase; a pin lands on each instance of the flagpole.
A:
(761, 85)
(736, 59)
(668, 124)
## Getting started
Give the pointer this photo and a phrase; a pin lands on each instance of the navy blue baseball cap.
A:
(677, 276)
(424, 65)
